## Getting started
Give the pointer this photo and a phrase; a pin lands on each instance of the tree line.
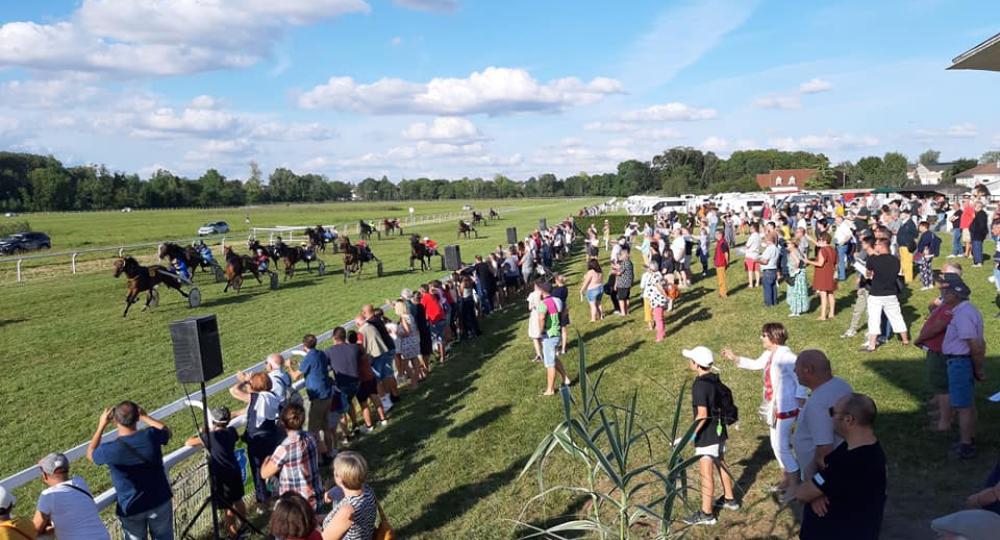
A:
(31, 182)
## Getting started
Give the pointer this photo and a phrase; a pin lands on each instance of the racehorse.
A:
(236, 266)
(477, 219)
(291, 256)
(189, 256)
(465, 228)
(355, 257)
(144, 279)
(271, 250)
(494, 214)
(365, 230)
(316, 238)
(390, 225)
(418, 251)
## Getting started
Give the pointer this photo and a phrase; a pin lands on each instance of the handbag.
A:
(384, 530)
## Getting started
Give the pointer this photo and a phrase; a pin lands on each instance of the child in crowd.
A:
(928, 247)
(673, 291)
(224, 468)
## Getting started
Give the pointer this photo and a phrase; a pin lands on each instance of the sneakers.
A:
(365, 430)
(383, 423)
(848, 334)
(701, 518)
(728, 504)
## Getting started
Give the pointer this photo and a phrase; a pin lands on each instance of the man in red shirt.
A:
(965, 223)
(435, 319)
(721, 261)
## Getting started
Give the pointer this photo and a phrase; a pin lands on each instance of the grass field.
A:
(447, 465)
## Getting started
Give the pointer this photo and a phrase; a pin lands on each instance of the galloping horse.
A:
(144, 279)
(291, 256)
(465, 228)
(365, 230)
(355, 257)
(390, 225)
(189, 257)
(236, 266)
(477, 219)
(494, 214)
(320, 237)
(271, 250)
(418, 251)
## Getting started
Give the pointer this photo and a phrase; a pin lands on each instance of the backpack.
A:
(725, 407)
(935, 247)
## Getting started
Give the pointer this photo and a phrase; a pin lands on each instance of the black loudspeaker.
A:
(197, 349)
(511, 235)
(452, 258)
(542, 225)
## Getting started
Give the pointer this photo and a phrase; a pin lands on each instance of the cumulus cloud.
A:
(495, 90)
(48, 93)
(634, 129)
(141, 37)
(965, 130)
(777, 101)
(814, 86)
(428, 5)
(444, 129)
(714, 144)
(830, 141)
(670, 112)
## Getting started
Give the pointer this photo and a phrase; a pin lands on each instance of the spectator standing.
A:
(315, 367)
(928, 247)
(12, 528)
(843, 237)
(534, 326)
(379, 345)
(906, 242)
(782, 396)
(965, 350)
(66, 507)
(654, 297)
(547, 314)
(979, 229)
(798, 282)
(965, 222)
(262, 434)
(955, 220)
(592, 287)
(931, 340)
(815, 437)
(883, 271)
(436, 319)
(135, 460)
(354, 514)
(561, 292)
(721, 260)
(846, 499)
(225, 472)
(710, 437)
(423, 329)
(823, 280)
(409, 342)
(295, 461)
(752, 254)
(769, 270)
(625, 275)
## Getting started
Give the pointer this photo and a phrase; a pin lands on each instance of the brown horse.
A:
(391, 225)
(144, 279)
(236, 266)
(478, 219)
(419, 251)
(494, 214)
(464, 228)
(291, 256)
(355, 257)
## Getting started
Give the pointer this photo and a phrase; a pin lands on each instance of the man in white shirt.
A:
(66, 507)
(842, 237)
(814, 434)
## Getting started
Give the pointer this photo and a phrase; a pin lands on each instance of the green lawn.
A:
(447, 465)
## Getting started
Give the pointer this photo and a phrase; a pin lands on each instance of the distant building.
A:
(785, 178)
(927, 175)
(987, 174)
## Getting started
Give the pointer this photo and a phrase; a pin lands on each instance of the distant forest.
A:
(30, 182)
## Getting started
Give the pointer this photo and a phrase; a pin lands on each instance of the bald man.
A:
(847, 498)
(814, 436)
(281, 381)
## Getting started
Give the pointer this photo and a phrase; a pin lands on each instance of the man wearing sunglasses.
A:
(847, 498)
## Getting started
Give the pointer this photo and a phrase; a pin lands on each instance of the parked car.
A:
(215, 227)
(24, 241)
(127, 209)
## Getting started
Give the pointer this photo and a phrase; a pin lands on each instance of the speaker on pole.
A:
(452, 258)
(511, 235)
(542, 225)
(197, 349)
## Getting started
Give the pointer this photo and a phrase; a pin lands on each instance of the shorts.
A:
(510, 280)
(563, 319)
(622, 293)
(367, 389)
(717, 451)
(382, 365)
(594, 294)
(549, 344)
(937, 373)
(349, 389)
(752, 265)
(317, 411)
(966, 236)
(437, 331)
(338, 406)
(961, 383)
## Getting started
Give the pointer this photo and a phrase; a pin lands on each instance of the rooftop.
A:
(985, 56)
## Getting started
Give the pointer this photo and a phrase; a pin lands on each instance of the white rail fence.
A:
(218, 239)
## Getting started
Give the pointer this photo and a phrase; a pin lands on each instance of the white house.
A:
(987, 174)
(929, 175)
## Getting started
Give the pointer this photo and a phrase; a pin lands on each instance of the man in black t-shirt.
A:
(883, 271)
(709, 437)
(846, 499)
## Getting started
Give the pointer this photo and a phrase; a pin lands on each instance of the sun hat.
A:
(700, 355)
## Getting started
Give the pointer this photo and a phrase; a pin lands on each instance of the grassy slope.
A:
(447, 463)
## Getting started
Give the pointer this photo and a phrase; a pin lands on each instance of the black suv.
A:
(25, 241)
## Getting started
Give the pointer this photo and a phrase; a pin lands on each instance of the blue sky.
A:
(451, 88)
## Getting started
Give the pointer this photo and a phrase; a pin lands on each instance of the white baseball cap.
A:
(7, 499)
(700, 355)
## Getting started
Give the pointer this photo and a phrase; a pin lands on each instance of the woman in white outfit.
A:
(782, 396)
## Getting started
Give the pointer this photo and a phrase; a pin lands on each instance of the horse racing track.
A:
(69, 352)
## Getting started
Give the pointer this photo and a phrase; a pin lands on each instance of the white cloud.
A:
(8, 126)
(814, 86)
(495, 90)
(205, 102)
(777, 101)
(670, 112)
(634, 129)
(131, 37)
(610, 127)
(714, 144)
(396, 40)
(965, 130)
(429, 5)
(165, 121)
(48, 93)
(830, 141)
(212, 151)
(445, 129)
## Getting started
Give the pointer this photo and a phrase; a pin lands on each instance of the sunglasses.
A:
(833, 412)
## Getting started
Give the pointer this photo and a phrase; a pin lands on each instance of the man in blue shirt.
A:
(320, 390)
(135, 460)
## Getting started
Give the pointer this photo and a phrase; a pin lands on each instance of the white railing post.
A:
(121, 252)
(223, 243)
(19, 270)
(73, 262)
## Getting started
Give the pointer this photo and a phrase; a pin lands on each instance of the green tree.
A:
(992, 156)
(957, 167)
(212, 184)
(894, 169)
(51, 189)
(929, 157)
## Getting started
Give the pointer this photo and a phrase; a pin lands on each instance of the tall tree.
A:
(929, 157)
(991, 156)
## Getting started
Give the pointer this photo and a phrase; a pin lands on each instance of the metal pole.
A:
(73, 262)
